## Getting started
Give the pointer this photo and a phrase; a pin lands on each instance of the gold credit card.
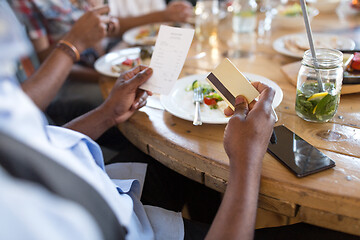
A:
(229, 83)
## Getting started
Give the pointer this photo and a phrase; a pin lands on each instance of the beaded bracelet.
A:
(70, 49)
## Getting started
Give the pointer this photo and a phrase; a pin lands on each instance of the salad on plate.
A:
(211, 98)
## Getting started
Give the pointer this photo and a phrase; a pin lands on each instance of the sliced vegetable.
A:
(131, 62)
(210, 101)
(195, 84)
(206, 88)
(211, 98)
(317, 96)
(355, 64)
(128, 62)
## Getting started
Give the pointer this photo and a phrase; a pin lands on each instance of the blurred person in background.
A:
(174, 11)
(47, 21)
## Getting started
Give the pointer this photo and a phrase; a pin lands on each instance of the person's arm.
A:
(83, 74)
(178, 11)
(42, 47)
(125, 98)
(246, 138)
(78, 72)
(43, 85)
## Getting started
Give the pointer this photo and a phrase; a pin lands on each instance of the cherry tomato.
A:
(210, 101)
(127, 62)
(356, 61)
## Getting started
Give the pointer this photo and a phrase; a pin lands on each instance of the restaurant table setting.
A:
(275, 56)
(180, 102)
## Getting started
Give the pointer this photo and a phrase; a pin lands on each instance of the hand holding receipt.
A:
(171, 48)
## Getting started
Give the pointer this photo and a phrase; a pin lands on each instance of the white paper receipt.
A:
(168, 58)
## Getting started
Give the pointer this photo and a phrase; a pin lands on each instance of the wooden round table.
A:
(329, 199)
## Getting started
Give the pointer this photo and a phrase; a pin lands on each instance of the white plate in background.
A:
(339, 42)
(130, 36)
(103, 64)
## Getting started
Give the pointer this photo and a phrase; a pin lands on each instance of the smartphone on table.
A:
(296, 154)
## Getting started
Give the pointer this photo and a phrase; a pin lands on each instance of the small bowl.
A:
(292, 21)
(325, 6)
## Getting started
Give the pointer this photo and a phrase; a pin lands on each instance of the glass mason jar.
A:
(244, 16)
(313, 102)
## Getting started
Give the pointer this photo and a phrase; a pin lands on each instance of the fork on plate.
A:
(198, 99)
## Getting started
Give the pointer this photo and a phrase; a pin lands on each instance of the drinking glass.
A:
(206, 20)
(244, 16)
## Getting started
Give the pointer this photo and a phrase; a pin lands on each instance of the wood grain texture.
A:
(329, 220)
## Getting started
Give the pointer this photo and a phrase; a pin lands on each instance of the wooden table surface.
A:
(330, 198)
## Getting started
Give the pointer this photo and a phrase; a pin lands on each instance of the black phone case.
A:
(305, 173)
(285, 162)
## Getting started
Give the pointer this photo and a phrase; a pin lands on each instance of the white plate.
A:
(343, 43)
(104, 63)
(180, 104)
(292, 22)
(130, 35)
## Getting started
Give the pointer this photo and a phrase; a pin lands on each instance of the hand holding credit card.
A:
(229, 83)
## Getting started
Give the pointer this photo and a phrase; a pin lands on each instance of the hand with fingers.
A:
(178, 11)
(113, 26)
(249, 130)
(89, 29)
(246, 139)
(126, 97)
